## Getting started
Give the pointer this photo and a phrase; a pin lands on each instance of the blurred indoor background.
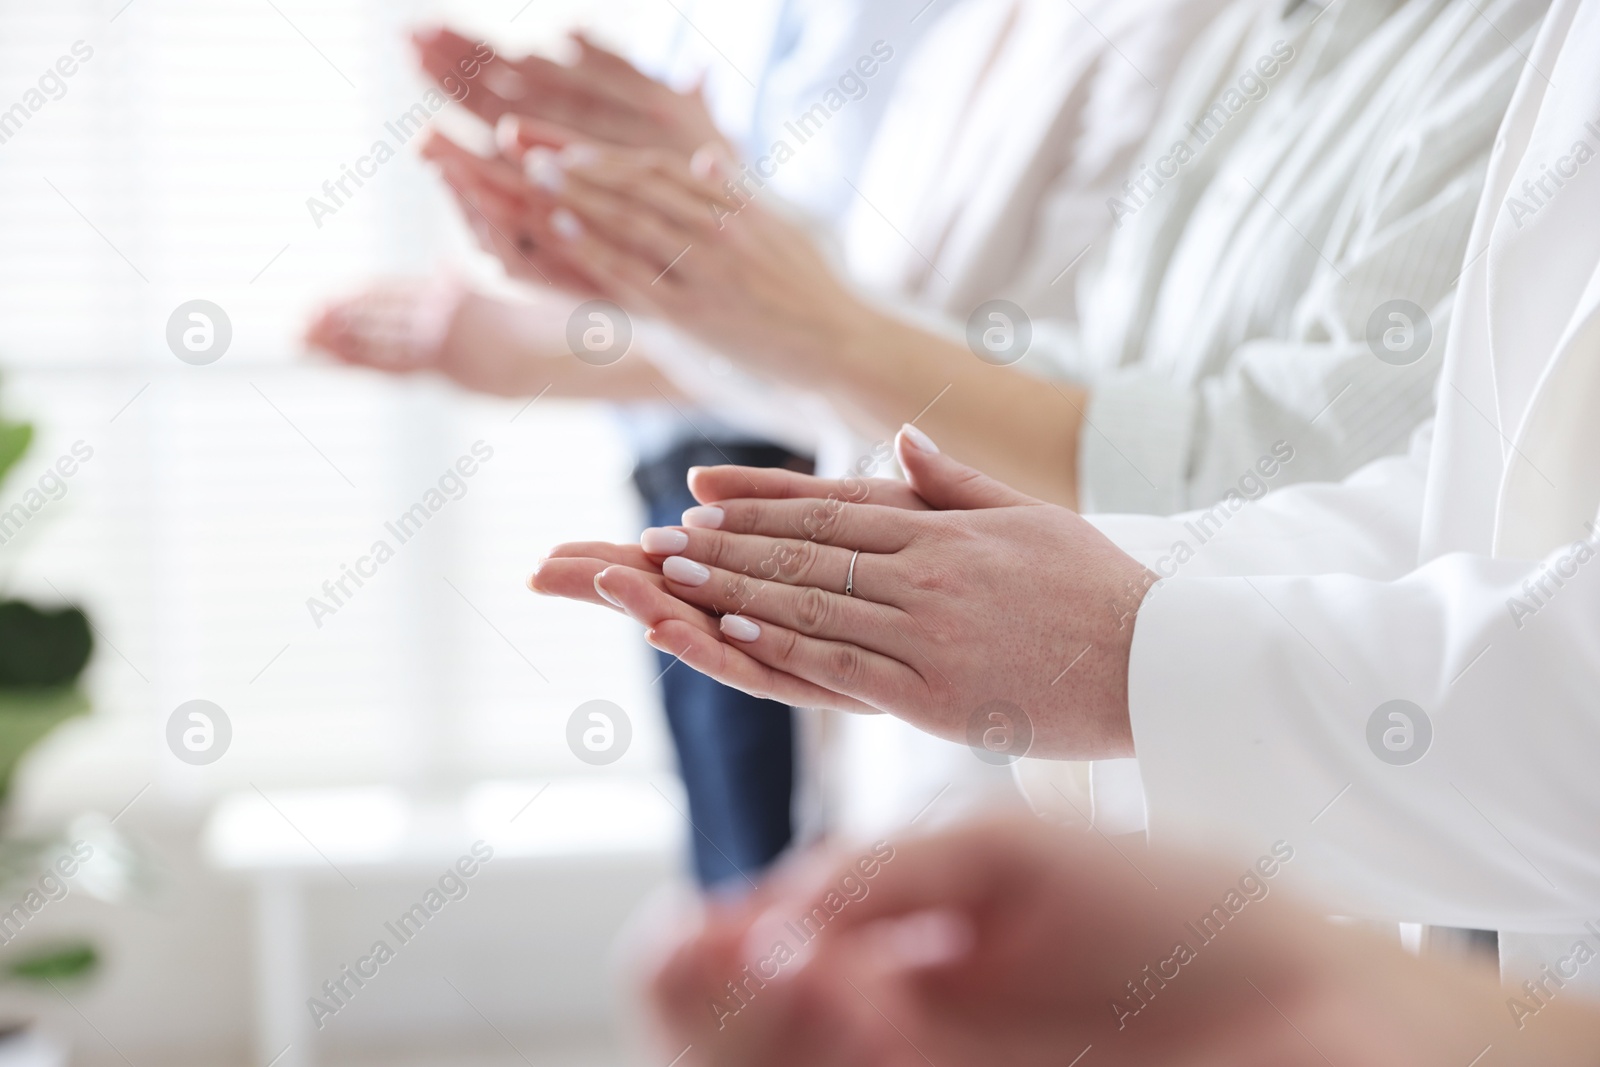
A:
(429, 712)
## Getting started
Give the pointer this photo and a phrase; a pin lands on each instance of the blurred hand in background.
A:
(437, 324)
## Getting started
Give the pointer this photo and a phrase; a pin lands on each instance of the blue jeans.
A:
(735, 752)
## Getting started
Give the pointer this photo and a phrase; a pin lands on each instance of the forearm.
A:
(882, 372)
(527, 348)
(1390, 730)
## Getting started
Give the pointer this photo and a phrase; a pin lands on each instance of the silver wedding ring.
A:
(850, 579)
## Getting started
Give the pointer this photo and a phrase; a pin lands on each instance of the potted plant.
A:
(43, 652)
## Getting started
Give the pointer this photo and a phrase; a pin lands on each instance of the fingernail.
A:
(579, 155)
(918, 440)
(505, 135)
(663, 541)
(770, 927)
(607, 597)
(704, 517)
(707, 163)
(740, 628)
(928, 939)
(565, 224)
(542, 170)
(685, 571)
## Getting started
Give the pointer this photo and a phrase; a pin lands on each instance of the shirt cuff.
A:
(1134, 447)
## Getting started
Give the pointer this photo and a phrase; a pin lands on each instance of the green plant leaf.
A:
(56, 963)
(42, 648)
(26, 716)
(14, 440)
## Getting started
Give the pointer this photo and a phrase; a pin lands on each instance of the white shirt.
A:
(1454, 578)
(1231, 306)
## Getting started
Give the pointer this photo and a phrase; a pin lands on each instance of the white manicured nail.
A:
(579, 155)
(505, 134)
(565, 224)
(663, 541)
(927, 939)
(740, 628)
(707, 163)
(607, 597)
(918, 440)
(542, 170)
(685, 571)
(704, 517)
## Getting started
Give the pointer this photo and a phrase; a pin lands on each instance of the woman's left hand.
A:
(1007, 623)
(665, 237)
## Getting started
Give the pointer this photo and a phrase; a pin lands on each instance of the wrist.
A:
(845, 346)
(888, 367)
(1134, 584)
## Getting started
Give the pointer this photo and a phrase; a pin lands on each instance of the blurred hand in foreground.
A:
(1015, 943)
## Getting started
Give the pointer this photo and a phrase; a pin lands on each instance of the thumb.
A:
(946, 484)
(516, 135)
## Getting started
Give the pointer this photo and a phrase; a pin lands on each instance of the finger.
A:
(625, 555)
(571, 578)
(659, 181)
(619, 273)
(488, 204)
(516, 135)
(492, 172)
(732, 667)
(808, 609)
(949, 870)
(785, 561)
(438, 147)
(569, 570)
(680, 630)
(626, 223)
(440, 50)
(444, 54)
(611, 67)
(334, 335)
(329, 330)
(869, 527)
(570, 97)
(947, 484)
(496, 178)
(679, 981)
(840, 667)
(521, 258)
(535, 254)
(712, 484)
(611, 75)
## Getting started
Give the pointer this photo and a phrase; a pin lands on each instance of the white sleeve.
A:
(1369, 524)
(1278, 725)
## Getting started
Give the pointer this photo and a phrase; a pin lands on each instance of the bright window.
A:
(175, 165)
